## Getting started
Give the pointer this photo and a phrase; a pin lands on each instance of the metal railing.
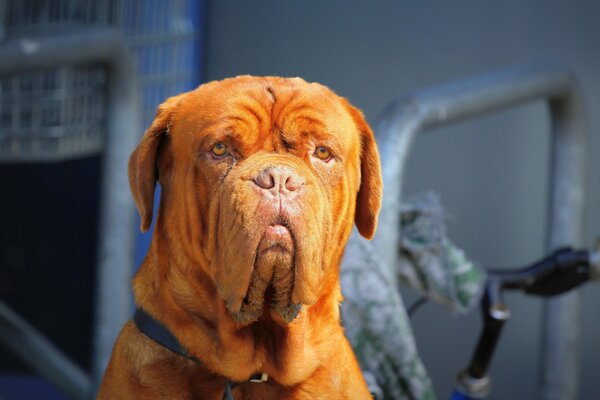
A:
(408, 115)
(116, 237)
(164, 37)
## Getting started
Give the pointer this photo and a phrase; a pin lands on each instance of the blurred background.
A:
(492, 172)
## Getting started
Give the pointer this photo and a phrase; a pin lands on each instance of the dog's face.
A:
(261, 181)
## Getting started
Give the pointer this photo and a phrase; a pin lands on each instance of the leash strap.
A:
(161, 335)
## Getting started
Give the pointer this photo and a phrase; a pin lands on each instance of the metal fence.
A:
(58, 113)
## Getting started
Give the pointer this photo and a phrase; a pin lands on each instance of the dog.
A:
(262, 180)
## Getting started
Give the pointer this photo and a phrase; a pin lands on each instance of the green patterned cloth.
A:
(430, 263)
(373, 313)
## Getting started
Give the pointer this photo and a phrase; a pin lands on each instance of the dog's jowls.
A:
(261, 181)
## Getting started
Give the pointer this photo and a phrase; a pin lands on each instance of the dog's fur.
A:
(244, 263)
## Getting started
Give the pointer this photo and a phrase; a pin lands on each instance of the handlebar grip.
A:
(557, 273)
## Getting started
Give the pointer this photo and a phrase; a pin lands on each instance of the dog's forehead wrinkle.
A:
(256, 108)
(271, 94)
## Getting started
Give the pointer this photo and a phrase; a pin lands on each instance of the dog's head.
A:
(261, 181)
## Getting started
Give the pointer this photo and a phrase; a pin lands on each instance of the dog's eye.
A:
(219, 150)
(323, 153)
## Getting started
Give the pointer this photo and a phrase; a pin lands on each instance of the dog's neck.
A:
(191, 308)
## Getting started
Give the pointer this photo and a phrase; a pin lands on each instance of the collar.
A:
(161, 335)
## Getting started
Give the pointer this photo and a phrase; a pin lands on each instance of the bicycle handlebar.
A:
(563, 270)
(558, 273)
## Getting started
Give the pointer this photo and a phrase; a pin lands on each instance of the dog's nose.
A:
(279, 179)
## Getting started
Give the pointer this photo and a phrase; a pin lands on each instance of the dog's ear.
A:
(143, 171)
(368, 200)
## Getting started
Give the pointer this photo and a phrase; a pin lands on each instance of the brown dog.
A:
(261, 181)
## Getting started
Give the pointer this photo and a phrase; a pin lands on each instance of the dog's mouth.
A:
(277, 238)
(272, 279)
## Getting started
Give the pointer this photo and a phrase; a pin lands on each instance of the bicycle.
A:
(563, 270)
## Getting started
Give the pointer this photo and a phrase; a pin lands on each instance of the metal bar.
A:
(561, 353)
(31, 346)
(117, 216)
(408, 115)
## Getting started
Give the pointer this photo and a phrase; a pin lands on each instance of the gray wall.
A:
(492, 173)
